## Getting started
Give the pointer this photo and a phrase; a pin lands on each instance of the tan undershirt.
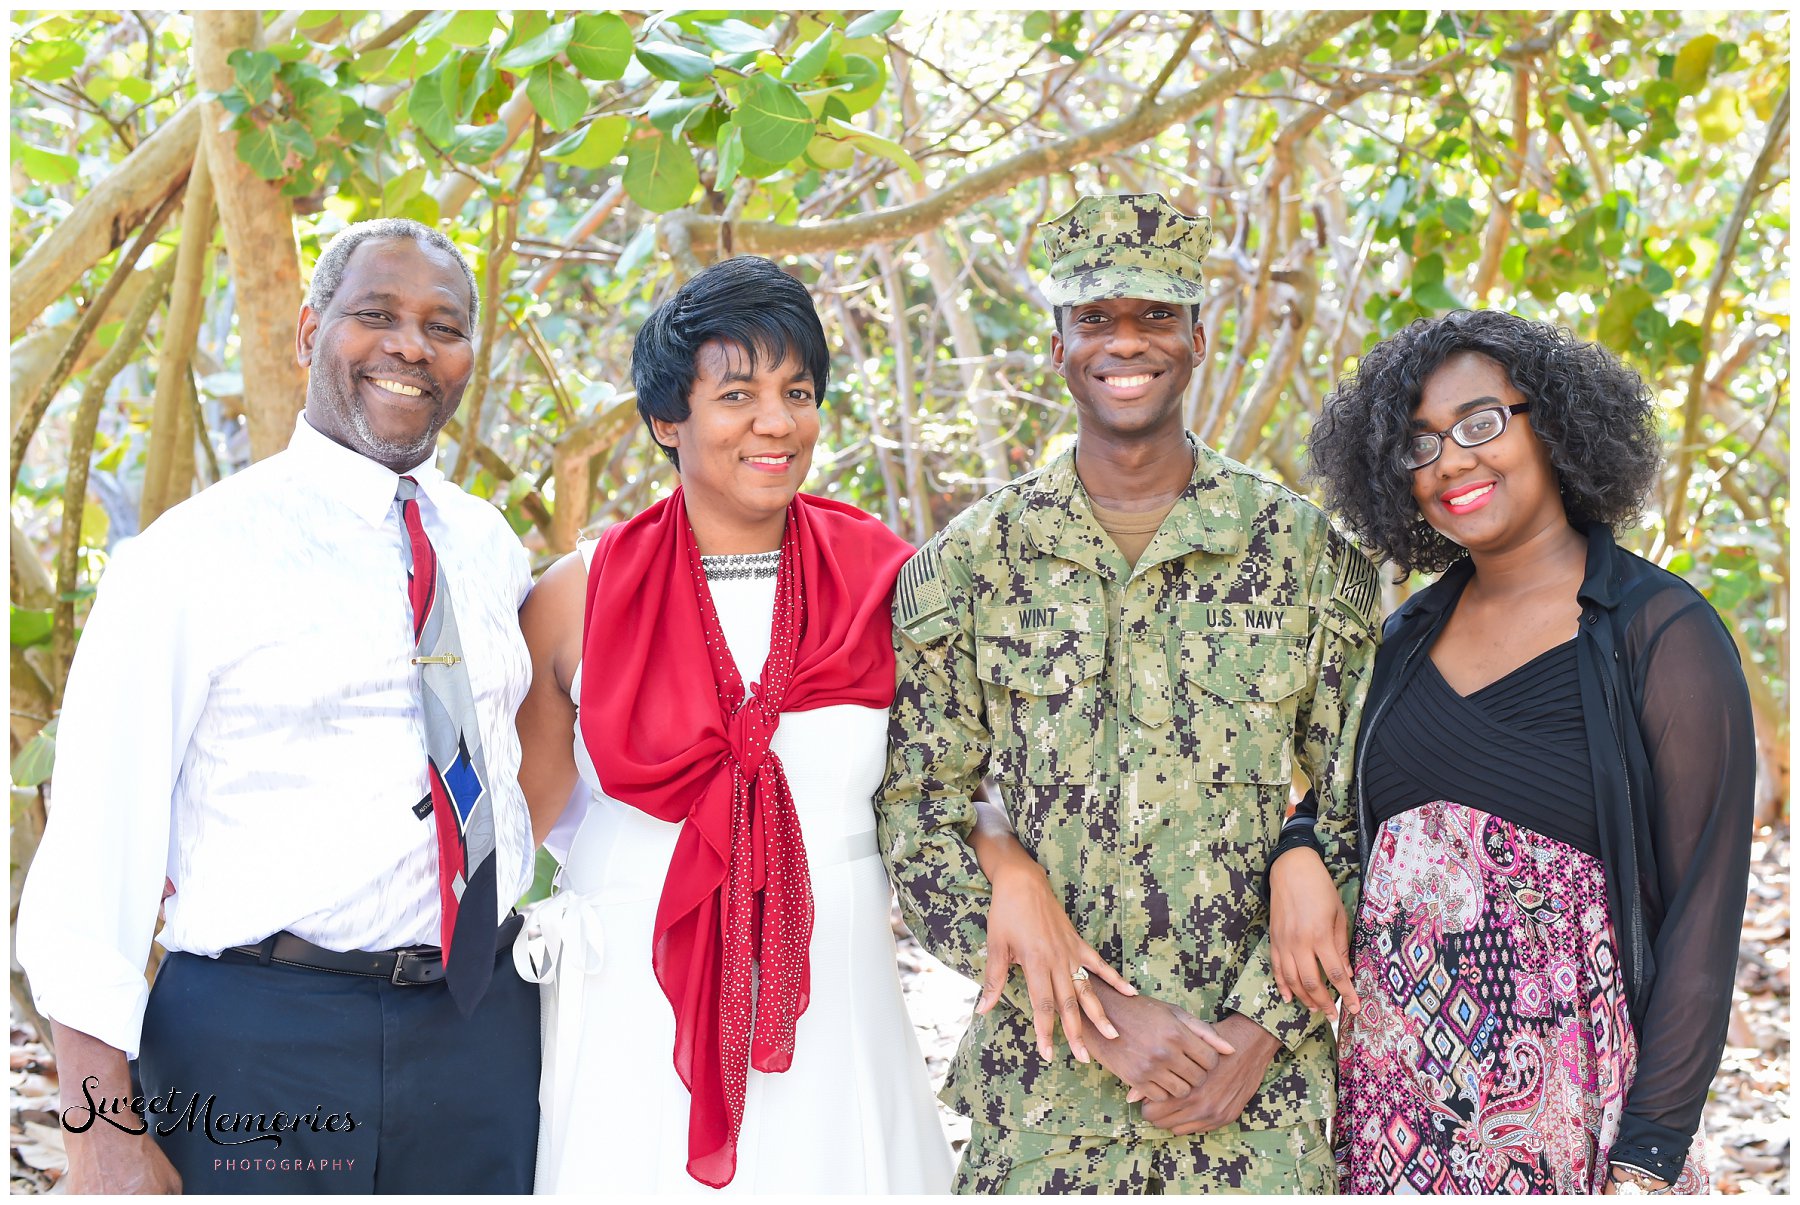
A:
(1131, 530)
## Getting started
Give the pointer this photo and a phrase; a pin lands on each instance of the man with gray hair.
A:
(292, 713)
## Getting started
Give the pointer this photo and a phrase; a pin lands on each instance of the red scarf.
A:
(665, 718)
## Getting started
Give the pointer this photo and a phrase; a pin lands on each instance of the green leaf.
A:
(1657, 279)
(810, 59)
(257, 148)
(31, 627)
(1428, 289)
(1693, 63)
(595, 145)
(893, 152)
(43, 165)
(135, 88)
(401, 189)
(870, 24)
(1399, 189)
(1721, 116)
(37, 759)
(1458, 215)
(1615, 325)
(862, 81)
(255, 72)
(476, 144)
(1036, 27)
(731, 155)
(637, 252)
(601, 46)
(830, 152)
(470, 27)
(776, 123)
(660, 173)
(1512, 263)
(669, 113)
(733, 36)
(665, 60)
(51, 60)
(435, 101)
(317, 105)
(541, 49)
(557, 95)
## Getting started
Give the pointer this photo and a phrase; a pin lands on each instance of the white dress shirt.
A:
(243, 716)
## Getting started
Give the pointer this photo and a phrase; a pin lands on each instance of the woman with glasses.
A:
(1555, 772)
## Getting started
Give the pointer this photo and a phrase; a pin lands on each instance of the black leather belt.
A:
(414, 966)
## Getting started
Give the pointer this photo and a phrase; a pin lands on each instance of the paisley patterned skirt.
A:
(1494, 1047)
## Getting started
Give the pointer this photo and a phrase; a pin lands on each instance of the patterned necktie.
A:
(459, 800)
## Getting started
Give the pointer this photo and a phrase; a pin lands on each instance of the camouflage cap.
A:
(1133, 245)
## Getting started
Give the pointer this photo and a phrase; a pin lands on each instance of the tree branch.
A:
(90, 320)
(1168, 69)
(904, 221)
(1774, 138)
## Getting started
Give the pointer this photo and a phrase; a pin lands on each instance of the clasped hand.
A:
(1193, 1077)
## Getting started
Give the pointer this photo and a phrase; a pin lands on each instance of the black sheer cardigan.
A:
(1673, 753)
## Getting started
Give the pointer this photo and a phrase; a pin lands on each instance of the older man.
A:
(1138, 643)
(294, 699)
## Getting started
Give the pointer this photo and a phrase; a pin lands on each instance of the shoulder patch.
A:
(1358, 590)
(920, 592)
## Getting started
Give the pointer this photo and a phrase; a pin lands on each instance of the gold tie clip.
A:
(437, 659)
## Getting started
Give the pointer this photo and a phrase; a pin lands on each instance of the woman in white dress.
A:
(722, 1003)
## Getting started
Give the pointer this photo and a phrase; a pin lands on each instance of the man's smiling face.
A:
(391, 353)
(1127, 361)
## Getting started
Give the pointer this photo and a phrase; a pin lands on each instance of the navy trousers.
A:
(274, 1079)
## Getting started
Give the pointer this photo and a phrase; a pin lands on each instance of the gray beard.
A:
(385, 451)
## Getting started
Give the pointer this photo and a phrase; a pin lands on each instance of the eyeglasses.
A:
(1473, 431)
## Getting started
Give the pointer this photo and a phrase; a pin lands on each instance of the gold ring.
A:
(1079, 975)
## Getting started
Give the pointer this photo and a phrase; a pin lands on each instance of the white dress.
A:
(854, 1113)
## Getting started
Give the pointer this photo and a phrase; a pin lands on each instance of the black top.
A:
(1516, 749)
(1671, 747)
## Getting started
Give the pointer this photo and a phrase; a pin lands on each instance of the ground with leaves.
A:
(1748, 1120)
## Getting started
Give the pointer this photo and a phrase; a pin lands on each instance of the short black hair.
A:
(746, 301)
(1593, 413)
(1062, 313)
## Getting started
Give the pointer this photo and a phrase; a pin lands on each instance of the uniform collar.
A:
(1207, 517)
(350, 477)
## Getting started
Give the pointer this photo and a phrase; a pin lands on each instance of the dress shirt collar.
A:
(350, 477)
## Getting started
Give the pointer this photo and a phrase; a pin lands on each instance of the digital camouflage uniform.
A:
(1143, 725)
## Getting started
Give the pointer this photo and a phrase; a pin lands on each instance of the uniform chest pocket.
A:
(1043, 686)
(1241, 695)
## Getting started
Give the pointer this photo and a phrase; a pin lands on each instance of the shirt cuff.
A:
(1256, 996)
(112, 1012)
(1650, 1147)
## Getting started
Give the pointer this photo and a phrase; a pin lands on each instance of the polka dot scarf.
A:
(673, 731)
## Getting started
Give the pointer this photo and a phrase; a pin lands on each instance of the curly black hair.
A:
(1593, 413)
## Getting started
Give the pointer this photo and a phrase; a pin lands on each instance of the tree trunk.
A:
(171, 428)
(81, 447)
(259, 238)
